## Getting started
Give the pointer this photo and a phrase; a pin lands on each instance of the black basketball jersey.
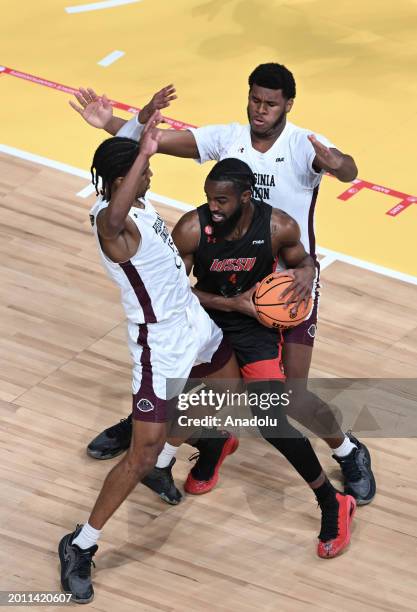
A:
(229, 267)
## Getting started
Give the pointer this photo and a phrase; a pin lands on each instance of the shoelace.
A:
(83, 566)
(203, 467)
(329, 522)
(124, 425)
(350, 467)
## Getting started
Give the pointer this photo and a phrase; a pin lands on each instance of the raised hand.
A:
(148, 143)
(162, 99)
(328, 159)
(95, 110)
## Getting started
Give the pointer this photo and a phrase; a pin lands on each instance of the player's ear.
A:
(246, 196)
(288, 105)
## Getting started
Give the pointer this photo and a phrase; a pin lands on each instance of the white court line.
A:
(95, 6)
(326, 261)
(367, 265)
(111, 58)
(87, 191)
(333, 255)
(44, 161)
(170, 201)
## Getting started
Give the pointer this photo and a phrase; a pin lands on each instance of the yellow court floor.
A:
(354, 64)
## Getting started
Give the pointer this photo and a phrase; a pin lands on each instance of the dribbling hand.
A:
(300, 289)
(244, 302)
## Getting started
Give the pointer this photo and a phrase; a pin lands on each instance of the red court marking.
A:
(357, 185)
(177, 125)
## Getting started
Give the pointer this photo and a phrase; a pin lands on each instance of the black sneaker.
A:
(112, 441)
(359, 480)
(160, 481)
(76, 568)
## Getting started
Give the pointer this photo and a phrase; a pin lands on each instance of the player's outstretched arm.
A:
(98, 111)
(95, 110)
(180, 143)
(112, 222)
(332, 160)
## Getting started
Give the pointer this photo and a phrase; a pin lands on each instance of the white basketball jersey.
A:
(153, 282)
(284, 174)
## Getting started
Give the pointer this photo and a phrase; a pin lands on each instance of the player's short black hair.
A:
(274, 76)
(235, 171)
(113, 158)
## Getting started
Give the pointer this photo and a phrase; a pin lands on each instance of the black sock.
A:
(210, 446)
(326, 494)
(285, 438)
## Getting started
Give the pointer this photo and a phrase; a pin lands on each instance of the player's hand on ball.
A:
(244, 302)
(300, 289)
(95, 110)
(276, 311)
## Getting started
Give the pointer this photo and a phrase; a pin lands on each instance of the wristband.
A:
(132, 129)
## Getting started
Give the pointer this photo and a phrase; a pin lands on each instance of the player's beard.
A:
(226, 227)
(273, 127)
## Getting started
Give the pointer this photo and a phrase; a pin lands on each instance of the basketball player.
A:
(288, 163)
(168, 331)
(231, 243)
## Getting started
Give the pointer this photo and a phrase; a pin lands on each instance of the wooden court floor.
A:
(250, 544)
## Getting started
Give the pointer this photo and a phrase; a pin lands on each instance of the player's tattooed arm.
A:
(186, 235)
(341, 165)
(286, 244)
(238, 303)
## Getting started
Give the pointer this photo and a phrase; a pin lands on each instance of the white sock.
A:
(166, 454)
(87, 537)
(345, 448)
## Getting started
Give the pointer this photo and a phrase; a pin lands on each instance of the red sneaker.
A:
(335, 526)
(197, 487)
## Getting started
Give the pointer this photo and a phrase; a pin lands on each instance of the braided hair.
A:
(234, 171)
(113, 158)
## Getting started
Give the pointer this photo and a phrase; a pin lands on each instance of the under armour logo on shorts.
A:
(312, 331)
(145, 405)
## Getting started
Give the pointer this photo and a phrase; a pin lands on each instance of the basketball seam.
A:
(300, 319)
(284, 282)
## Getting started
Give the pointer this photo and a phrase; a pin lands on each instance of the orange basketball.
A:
(270, 306)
